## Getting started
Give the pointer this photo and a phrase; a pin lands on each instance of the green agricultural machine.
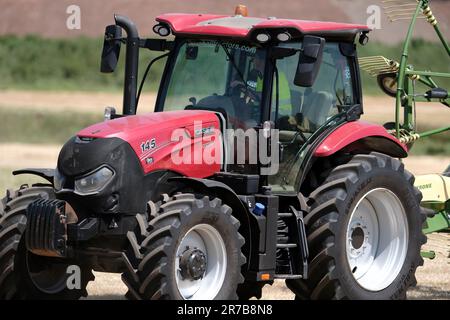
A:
(399, 79)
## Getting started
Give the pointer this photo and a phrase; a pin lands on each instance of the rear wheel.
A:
(24, 275)
(364, 232)
(192, 250)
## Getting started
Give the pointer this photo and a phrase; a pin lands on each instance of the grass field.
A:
(38, 63)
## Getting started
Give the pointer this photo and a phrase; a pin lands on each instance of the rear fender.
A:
(361, 136)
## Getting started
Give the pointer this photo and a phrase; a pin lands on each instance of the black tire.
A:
(169, 221)
(16, 282)
(388, 83)
(251, 289)
(331, 206)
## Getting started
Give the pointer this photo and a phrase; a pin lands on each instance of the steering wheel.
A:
(285, 123)
(249, 96)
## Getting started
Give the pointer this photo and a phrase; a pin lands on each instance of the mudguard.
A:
(361, 136)
(47, 174)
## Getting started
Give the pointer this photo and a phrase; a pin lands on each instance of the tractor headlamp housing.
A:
(94, 182)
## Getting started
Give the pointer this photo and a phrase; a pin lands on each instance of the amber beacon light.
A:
(241, 10)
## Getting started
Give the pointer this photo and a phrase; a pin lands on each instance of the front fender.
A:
(361, 136)
(47, 174)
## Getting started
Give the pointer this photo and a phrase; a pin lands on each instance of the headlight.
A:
(58, 180)
(94, 182)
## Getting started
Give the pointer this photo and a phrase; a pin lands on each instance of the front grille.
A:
(46, 233)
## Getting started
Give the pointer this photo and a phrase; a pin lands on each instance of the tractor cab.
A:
(294, 76)
(297, 77)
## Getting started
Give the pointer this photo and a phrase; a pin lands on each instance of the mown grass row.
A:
(33, 62)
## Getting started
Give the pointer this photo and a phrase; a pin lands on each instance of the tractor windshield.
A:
(218, 75)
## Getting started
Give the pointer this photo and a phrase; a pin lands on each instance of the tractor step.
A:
(292, 257)
(302, 242)
(286, 245)
(288, 276)
(285, 215)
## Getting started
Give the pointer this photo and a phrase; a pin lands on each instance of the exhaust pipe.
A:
(131, 64)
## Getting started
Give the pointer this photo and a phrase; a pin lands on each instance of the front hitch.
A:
(46, 230)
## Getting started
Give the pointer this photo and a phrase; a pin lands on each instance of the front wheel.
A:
(192, 251)
(24, 275)
(364, 232)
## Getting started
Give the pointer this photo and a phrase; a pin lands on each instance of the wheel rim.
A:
(47, 276)
(201, 263)
(377, 239)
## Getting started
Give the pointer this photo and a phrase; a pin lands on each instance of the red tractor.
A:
(315, 196)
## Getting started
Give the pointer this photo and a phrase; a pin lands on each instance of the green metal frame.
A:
(440, 222)
(405, 97)
(441, 219)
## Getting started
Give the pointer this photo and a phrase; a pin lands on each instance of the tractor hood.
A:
(139, 150)
(128, 128)
(155, 137)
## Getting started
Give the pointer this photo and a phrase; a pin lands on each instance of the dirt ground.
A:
(433, 280)
(433, 277)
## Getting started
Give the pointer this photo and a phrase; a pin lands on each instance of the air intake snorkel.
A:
(131, 64)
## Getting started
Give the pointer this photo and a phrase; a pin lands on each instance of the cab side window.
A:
(309, 108)
(298, 112)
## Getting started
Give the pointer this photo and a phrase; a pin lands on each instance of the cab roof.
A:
(210, 25)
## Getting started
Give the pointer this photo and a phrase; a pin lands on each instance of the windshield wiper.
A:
(233, 63)
(145, 75)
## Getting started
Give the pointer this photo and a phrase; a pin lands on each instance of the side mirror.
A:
(309, 61)
(111, 48)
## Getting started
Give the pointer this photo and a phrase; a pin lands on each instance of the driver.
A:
(250, 93)
(255, 77)
(253, 86)
(247, 95)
